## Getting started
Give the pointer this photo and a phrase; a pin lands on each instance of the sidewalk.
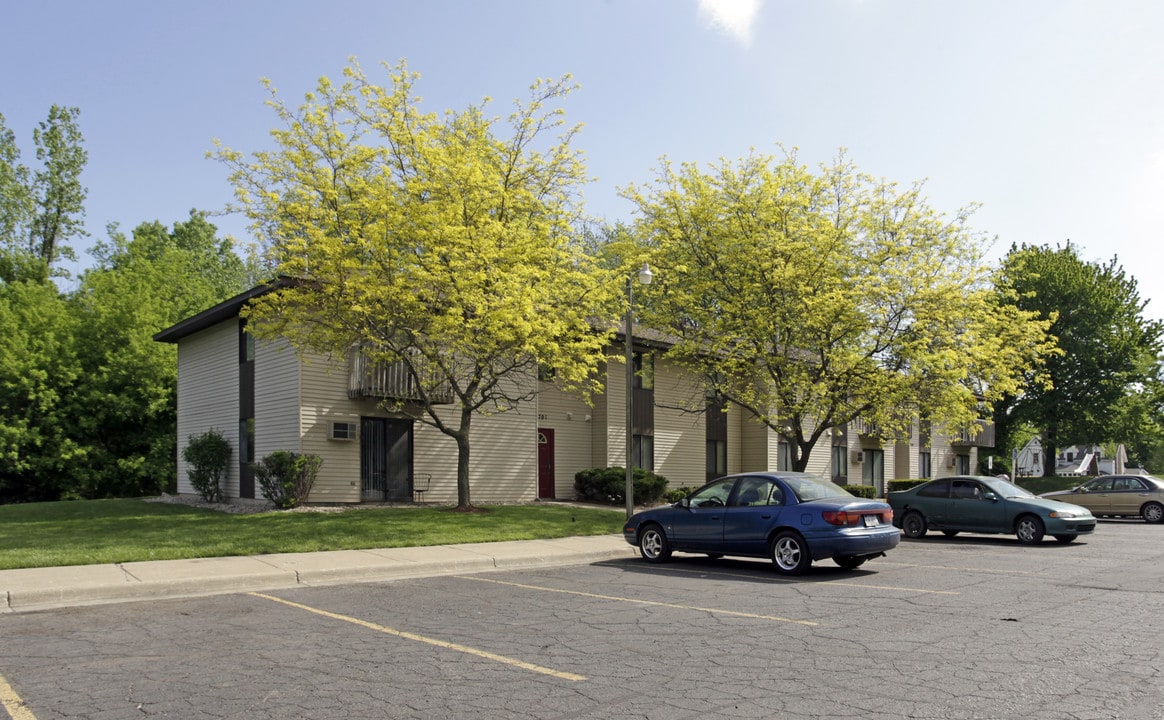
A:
(43, 588)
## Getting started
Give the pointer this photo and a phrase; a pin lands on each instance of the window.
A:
(714, 495)
(924, 468)
(644, 371)
(938, 488)
(643, 451)
(755, 491)
(716, 458)
(1127, 483)
(873, 469)
(962, 464)
(246, 434)
(783, 455)
(967, 490)
(246, 343)
(343, 431)
(840, 462)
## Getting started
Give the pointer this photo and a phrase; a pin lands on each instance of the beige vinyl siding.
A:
(759, 444)
(323, 394)
(680, 426)
(820, 461)
(942, 455)
(502, 456)
(904, 460)
(276, 399)
(735, 439)
(208, 395)
(600, 420)
(572, 421)
(610, 449)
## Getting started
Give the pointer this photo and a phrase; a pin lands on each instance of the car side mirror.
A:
(683, 502)
(989, 496)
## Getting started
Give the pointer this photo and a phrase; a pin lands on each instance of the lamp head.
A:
(645, 275)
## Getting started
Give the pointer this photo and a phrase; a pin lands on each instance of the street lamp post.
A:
(645, 277)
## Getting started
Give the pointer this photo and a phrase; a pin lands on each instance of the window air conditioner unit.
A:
(858, 456)
(343, 430)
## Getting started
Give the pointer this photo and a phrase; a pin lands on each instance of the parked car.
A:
(792, 518)
(1108, 495)
(986, 505)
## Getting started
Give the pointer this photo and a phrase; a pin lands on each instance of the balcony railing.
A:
(983, 438)
(368, 378)
(865, 429)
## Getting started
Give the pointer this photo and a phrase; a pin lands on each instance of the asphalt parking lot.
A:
(965, 627)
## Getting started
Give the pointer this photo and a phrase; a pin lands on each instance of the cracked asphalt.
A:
(967, 627)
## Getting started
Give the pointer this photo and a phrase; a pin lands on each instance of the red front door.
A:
(545, 464)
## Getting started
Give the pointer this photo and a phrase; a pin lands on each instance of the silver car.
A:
(1109, 495)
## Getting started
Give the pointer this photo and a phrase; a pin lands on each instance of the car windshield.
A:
(1008, 489)
(808, 488)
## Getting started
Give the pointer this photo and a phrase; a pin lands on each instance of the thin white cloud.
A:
(733, 17)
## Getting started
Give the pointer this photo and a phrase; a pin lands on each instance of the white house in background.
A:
(263, 396)
(1072, 461)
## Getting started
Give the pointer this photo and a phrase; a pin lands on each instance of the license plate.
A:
(872, 520)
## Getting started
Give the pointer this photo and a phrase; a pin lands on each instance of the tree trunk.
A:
(464, 501)
(1050, 450)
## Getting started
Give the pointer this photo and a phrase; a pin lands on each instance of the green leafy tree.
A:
(1105, 380)
(816, 299)
(438, 243)
(41, 210)
(141, 285)
(39, 376)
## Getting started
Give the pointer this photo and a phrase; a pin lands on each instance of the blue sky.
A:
(1047, 112)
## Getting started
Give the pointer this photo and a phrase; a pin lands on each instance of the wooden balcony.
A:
(368, 378)
(983, 438)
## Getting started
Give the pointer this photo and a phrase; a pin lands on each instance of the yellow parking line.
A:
(652, 603)
(431, 641)
(12, 704)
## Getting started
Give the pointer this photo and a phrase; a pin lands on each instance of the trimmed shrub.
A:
(608, 485)
(861, 491)
(286, 477)
(207, 455)
(674, 495)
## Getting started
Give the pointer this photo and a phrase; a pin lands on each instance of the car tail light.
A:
(842, 517)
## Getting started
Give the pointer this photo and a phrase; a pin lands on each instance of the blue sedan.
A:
(792, 518)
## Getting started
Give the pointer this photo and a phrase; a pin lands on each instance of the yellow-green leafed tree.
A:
(442, 243)
(813, 299)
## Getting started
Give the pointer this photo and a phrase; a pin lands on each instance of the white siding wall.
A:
(208, 395)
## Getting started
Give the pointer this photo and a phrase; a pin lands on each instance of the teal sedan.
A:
(980, 504)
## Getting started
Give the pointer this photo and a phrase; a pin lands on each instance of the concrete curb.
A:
(44, 588)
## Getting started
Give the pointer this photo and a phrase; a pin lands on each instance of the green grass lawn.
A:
(109, 531)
